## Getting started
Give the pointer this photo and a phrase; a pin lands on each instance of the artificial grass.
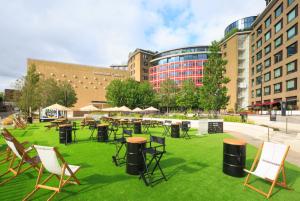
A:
(193, 168)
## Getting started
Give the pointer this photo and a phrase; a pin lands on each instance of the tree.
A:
(66, 94)
(167, 94)
(188, 95)
(130, 93)
(214, 92)
(29, 98)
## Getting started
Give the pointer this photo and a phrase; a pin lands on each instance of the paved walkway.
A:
(255, 135)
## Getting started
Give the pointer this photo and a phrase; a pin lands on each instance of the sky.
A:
(101, 32)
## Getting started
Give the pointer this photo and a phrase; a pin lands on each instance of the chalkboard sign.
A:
(215, 127)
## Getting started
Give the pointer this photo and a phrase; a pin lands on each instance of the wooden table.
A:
(135, 158)
(234, 157)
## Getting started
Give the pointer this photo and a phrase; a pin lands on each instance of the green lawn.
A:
(193, 168)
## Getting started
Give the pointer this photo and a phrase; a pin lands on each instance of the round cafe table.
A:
(135, 156)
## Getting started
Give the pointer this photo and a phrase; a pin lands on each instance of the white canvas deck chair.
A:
(21, 154)
(49, 157)
(269, 166)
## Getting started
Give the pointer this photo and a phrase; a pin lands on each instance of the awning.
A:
(264, 104)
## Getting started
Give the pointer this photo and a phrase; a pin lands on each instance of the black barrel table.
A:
(175, 130)
(234, 157)
(65, 133)
(102, 133)
(137, 127)
(135, 159)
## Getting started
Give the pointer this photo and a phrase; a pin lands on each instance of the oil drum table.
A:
(134, 158)
(65, 133)
(234, 157)
(175, 130)
(102, 132)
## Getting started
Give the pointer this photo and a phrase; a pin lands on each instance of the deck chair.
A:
(156, 151)
(5, 155)
(119, 159)
(20, 153)
(269, 166)
(185, 127)
(50, 161)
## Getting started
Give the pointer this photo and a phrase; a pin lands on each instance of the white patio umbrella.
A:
(137, 110)
(124, 109)
(89, 108)
(57, 107)
(151, 109)
(110, 109)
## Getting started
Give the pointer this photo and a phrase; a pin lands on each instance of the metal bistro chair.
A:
(167, 127)
(120, 142)
(156, 153)
(74, 129)
(92, 128)
(185, 127)
(113, 129)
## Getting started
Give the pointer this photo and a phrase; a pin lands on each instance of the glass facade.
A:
(178, 65)
(242, 24)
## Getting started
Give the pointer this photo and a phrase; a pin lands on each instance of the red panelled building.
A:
(178, 65)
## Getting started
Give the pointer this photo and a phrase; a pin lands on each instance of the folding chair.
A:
(167, 128)
(269, 166)
(156, 153)
(185, 127)
(50, 161)
(92, 128)
(120, 142)
(19, 152)
(113, 129)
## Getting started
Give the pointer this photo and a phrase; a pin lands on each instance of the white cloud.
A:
(101, 33)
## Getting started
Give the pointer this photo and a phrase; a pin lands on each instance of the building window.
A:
(267, 62)
(291, 84)
(278, 41)
(267, 77)
(267, 90)
(291, 67)
(289, 2)
(252, 37)
(259, 55)
(258, 80)
(291, 103)
(252, 94)
(268, 36)
(292, 49)
(292, 31)
(292, 14)
(278, 72)
(252, 71)
(252, 60)
(277, 88)
(267, 49)
(259, 43)
(268, 22)
(278, 26)
(258, 92)
(278, 57)
(258, 68)
(252, 82)
(252, 48)
(259, 31)
(278, 10)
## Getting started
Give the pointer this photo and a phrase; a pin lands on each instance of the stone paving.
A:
(255, 135)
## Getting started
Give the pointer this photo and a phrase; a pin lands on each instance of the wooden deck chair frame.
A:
(22, 154)
(281, 170)
(62, 182)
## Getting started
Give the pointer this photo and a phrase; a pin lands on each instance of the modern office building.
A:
(274, 73)
(139, 64)
(89, 82)
(178, 64)
(235, 49)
